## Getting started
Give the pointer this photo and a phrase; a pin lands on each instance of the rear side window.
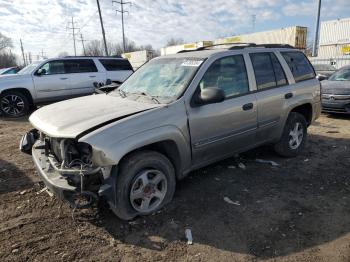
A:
(80, 66)
(115, 64)
(299, 65)
(268, 71)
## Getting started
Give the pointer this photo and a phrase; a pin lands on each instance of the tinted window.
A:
(229, 74)
(263, 69)
(80, 66)
(116, 64)
(279, 73)
(53, 68)
(299, 65)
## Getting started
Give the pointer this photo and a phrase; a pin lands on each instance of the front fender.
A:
(108, 152)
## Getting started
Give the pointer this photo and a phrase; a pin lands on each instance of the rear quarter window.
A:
(116, 64)
(299, 65)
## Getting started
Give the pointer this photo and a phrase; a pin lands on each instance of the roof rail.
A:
(240, 46)
(92, 56)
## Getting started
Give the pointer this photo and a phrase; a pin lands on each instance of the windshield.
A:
(28, 69)
(324, 67)
(164, 79)
(3, 70)
(341, 75)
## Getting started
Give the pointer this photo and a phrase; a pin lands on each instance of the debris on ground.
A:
(306, 160)
(23, 192)
(242, 166)
(188, 234)
(263, 161)
(47, 191)
(217, 179)
(231, 167)
(226, 199)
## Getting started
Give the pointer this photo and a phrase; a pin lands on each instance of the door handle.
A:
(64, 78)
(288, 95)
(92, 76)
(248, 106)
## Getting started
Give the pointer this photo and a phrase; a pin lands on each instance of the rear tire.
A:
(13, 104)
(294, 136)
(145, 183)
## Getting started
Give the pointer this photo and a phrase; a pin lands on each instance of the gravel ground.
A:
(297, 211)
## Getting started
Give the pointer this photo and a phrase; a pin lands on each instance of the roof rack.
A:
(91, 56)
(240, 46)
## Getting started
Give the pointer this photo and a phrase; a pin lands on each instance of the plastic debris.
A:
(272, 163)
(43, 190)
(217, 179)
(242, 166)
(226, 199)
(188, 234)
(231, 167)
(306, 160)
(23, 192)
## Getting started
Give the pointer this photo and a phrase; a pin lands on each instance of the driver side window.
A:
(229, 74)
(53, 68)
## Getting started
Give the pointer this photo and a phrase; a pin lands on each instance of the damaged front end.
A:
(66, 167)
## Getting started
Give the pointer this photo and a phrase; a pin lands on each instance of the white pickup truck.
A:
(57, 79)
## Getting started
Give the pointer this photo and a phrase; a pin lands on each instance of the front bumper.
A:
(336, 106)
(54, 181)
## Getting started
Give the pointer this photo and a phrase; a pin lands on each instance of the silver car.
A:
(57, 79)
(175, 114)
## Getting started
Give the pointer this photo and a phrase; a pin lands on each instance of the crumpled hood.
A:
(70, 118)
(335, 87)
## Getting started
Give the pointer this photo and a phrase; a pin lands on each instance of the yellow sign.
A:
(189, 46)
(346, 49)
(234, 39)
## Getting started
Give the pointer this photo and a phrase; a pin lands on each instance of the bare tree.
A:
(63, 54)
(7, 59)
(174, 41)
(5, 42)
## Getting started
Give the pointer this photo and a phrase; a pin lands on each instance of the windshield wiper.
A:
(122, 93)
(153, 98)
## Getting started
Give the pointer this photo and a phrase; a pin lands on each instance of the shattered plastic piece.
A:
(231, 167)
(272, 163)
(241, 166)
(23, 192)
(306, 160)
(47, 191)
(188, 234)
(226, 199)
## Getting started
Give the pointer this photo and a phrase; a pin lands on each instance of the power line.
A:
(102, 28)
(73, 29)
(122, 11)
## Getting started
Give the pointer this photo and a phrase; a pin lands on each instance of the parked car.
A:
(9, 70)
(336, 92)
(175, 114)
(324, 70)
(58, 79)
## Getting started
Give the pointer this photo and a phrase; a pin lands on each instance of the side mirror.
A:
(321, 77)
(210, 95)
(41, 71)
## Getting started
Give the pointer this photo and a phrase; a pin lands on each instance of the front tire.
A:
(294, 136)
(145, 183)
(13, 104)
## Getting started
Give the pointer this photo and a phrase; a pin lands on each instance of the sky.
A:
(43, 25)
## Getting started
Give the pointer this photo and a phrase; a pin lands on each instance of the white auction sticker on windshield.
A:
(192, 63)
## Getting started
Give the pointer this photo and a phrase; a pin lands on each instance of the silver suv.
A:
(57, 79)
(175, 114)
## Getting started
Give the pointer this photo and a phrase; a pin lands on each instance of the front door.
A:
(221, 129)
(83, 73)
(51, 81)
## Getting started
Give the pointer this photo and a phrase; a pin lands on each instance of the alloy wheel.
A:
(12, 104)
(296, 135)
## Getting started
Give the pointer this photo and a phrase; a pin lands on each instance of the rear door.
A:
(53, 83)
(117, 69)
(220, 129)
(272, 92)
(83, 73)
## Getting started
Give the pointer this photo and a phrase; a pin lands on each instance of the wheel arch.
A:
(305, 110)
(23, 91)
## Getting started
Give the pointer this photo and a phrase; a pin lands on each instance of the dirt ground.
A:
(297, 211)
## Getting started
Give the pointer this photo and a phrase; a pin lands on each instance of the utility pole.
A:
(30, 57)
(102, 28)
(73, 28)
(42, 53)
(122, 12)
(315, 44)
(82, 42)
(24, 59)
(253, 22)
